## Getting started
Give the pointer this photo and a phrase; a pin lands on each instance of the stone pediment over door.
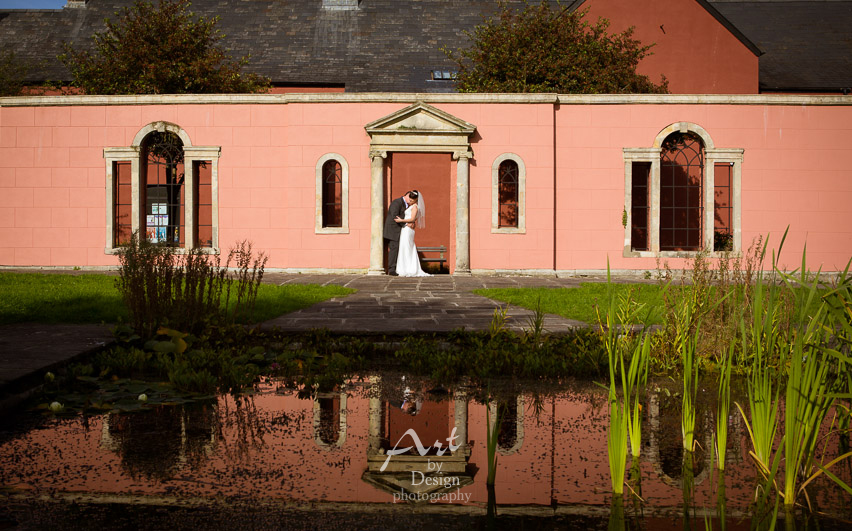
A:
(420, 127)
(424, 129)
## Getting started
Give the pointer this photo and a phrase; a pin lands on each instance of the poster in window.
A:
(150, 220)
(161, 234)
(160, 208)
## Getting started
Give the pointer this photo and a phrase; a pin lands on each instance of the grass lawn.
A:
(579, 303)
(576, 303)
(56, 298)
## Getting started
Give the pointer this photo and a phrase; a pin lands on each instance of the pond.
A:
(280, 460)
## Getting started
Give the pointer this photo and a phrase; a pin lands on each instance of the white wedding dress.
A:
(407, 262)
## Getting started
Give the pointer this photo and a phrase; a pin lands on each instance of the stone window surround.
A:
(344, 169)
(519, 426)
(522, 194)
(341, 420)
(191, 154)
(712, 156)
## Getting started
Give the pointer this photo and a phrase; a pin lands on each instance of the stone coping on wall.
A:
(432, 98)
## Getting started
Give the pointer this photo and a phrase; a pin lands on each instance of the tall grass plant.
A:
(187, 292)
(616, 322)
(723, 407)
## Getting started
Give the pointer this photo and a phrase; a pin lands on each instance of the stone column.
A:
(189, 200)
(654, 213)
(374, 433)
(377, 168)
(136, 208)
(462, 212)
(460, 421)
(708, 224)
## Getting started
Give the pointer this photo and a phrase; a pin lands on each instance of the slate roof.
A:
(807, 44)
(393, 45)
(384, 45)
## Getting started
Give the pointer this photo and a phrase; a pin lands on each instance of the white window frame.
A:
(191, 154)
(712, 156)
(344, 178)
(522, 195)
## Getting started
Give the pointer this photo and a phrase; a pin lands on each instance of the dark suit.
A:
(392, 230)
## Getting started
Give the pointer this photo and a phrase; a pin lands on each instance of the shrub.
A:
(189, 292)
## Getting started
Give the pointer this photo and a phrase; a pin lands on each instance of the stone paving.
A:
(382, 305)
(28, 351)
(390, 305)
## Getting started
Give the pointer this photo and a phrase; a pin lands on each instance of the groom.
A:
(392, 229)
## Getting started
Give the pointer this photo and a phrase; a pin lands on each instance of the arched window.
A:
(507, 193)
(332, 194)
(163, 179)
(508, 177)
(682, 194)
(332, 207)
(162, 187)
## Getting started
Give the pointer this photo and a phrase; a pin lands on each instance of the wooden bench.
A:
(441, 250)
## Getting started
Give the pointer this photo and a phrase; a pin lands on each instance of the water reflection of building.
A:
(160, 443)
(330, 419)
(510, 436)
(441, 429)
(276, 445)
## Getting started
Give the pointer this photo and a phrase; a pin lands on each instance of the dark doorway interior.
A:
(428, 173)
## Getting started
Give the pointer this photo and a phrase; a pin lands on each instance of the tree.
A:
(12, 74)
(546, 49)
(162, 49)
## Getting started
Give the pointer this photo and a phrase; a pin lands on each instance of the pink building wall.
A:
(794, 172)
(696, 53)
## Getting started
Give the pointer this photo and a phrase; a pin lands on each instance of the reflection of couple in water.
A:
(411, 403)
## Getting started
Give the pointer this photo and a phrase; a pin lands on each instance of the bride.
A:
(408, 263)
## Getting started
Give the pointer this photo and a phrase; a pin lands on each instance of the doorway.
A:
(429, 173)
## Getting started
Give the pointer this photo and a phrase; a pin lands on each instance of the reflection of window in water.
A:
(666, 434)
(508, 435)
(330, 420)
(329, 428)
(157, 444)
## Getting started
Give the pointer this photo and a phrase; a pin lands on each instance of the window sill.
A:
(332, 230)
(508, 230)
(178, 250)
(679, 254)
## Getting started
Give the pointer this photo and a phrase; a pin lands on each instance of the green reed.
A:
(633, 382)
(616, 442)
(688, 349)
(807, 398)
(807, 403)
(815, 371)
(723, 407)
(838, 304)
(688, 487)
(685, 314)
(620, 313)
(617, 521)
(761, 343)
